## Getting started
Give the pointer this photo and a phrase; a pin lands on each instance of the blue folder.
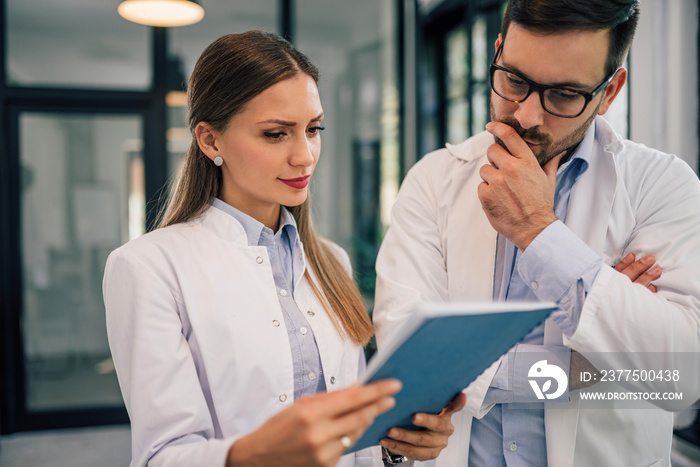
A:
(440, 350)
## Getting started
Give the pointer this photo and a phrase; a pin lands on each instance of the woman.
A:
(222, 319)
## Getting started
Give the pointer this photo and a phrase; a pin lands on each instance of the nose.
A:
(303, 153)
(530, 112)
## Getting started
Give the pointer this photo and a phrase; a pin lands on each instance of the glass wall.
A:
(354, 45)
(82, 195)
(454, 70)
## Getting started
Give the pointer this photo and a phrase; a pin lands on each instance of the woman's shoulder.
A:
(157, 246)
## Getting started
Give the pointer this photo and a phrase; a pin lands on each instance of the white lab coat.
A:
(441, 247)
(200, 345)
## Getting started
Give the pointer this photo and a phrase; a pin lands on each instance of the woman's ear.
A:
(207, 139)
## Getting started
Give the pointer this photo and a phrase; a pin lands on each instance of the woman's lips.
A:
(298, 183)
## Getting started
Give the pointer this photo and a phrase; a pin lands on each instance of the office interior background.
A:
(93, 126)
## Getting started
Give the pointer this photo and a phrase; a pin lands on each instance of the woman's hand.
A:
(429, 442)
(309, 432)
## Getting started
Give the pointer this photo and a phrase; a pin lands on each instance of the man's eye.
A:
(563, 95)
(514, 80)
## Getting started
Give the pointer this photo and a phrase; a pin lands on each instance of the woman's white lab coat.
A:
(200, 345)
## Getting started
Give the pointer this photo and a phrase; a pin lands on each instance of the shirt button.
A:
(303, 330)
(283, 293)
(283, 397)
(312, 376)
(534, 285)
(259, 259)
(332, 379)
(310, 313)
(513, 447)
(276, 323)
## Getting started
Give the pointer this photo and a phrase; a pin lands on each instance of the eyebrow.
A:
(562, 84)
(287, 123)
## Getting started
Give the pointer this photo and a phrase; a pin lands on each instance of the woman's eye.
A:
(273, 135)
(316, 129)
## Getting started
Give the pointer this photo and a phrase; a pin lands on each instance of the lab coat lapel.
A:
(588, 216)
(470, 263)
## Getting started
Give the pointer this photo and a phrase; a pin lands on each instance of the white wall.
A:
(664, 79)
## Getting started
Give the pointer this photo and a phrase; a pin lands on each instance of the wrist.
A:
(528, 235)
(390, 458)
(240, 454)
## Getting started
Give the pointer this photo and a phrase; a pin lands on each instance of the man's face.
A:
(575, 60)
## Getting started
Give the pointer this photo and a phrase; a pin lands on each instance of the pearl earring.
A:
(218, 161)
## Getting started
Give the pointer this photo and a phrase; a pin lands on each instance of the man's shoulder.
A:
(453, 156)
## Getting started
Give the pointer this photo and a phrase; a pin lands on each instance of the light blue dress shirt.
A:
(514, 435)
(284, 250)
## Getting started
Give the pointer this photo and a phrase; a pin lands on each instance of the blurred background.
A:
(93, 127)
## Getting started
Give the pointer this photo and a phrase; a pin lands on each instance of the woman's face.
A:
(270, 149)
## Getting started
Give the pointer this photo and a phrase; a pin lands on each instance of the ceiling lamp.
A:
(162, 13)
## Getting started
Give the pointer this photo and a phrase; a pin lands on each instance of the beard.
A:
(548, 148)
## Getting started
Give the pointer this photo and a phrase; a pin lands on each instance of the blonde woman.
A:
(236, 331)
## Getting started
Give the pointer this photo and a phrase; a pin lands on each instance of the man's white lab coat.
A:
(441, 247)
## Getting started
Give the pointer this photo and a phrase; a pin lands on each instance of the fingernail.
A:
(383, 443)
(655, 270)
(489, 125)
(418, 418)
(628, 258)
(648, 259)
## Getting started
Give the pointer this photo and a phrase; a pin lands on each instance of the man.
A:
(540, 207)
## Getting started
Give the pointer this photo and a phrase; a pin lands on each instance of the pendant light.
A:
(162, 13)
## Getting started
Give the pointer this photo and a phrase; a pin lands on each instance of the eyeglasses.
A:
(559, 101)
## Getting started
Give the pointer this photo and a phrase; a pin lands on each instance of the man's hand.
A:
(639, 272)
(517, 194)
(431, 440)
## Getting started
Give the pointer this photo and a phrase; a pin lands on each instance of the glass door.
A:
(82, 194)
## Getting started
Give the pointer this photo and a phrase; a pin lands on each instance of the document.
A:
(440, 350)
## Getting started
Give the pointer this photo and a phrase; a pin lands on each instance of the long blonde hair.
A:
(229, 73)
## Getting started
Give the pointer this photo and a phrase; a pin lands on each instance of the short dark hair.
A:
(620, 17)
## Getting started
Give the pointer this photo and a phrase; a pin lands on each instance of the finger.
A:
(358, 420)
(639, 267)
(624, 262)
(515, 144)
(487, 172)
(497, 155)
(457, 404)
(335, 445)
(551, 167)
(351, 399)
(652, 287)
(651, 275)
(436, 423)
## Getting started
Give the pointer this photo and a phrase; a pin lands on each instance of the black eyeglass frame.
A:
(541, 88)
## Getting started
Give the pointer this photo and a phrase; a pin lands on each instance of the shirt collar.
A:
(254, 229)
(582, 153)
